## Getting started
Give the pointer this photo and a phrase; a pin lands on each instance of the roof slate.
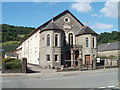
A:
(109, 46)
(66, 11)
(86, 30)
(52, 26)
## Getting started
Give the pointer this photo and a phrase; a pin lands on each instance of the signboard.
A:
(66, 26)
(98, 60)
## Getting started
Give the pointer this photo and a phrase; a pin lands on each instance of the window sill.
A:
(47, 61)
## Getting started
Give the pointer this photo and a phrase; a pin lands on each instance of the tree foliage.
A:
(107, 37)
(17, 33)
(13, 33)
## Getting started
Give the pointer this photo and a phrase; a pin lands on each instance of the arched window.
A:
(48, 40)
(71, 39)
(56, 39)
(87, 42)
(93, 43)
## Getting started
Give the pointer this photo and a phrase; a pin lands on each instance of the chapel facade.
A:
(61, 41)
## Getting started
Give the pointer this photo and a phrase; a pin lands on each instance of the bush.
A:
(12, 63)
(8, 59)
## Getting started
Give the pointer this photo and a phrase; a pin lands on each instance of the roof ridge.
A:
(35, 30)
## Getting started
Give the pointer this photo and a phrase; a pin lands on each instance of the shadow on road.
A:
(32, 71)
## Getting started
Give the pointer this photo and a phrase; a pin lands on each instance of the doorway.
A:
(87, 60)
(68, 58)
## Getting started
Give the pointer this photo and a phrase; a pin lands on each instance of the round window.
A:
(66, 19)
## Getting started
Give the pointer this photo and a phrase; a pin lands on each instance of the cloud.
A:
(110, 9)
(102, 26)
(82, 6)
(95, 15)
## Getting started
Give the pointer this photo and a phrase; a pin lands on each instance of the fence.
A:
(108, 63)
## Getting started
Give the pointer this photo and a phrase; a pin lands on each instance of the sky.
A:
(100, 16)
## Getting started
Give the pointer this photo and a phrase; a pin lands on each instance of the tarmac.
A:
(49, 72)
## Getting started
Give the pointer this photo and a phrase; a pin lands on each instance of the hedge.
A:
(12, 63)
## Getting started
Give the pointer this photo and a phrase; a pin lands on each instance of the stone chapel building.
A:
(62, 40)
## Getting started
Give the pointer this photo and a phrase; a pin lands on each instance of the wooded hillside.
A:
(12, 36)
(14, 33)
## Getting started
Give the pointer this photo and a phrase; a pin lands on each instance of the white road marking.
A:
(111, 86)
(102, 87)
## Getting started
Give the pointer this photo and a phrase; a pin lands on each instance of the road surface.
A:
(82, 79)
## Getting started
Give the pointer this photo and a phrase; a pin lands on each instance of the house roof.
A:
(54, 18)
(109, 46)
(11, 54)
(52, 25)
(86, 30)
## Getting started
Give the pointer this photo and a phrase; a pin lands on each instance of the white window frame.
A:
(86, 43)
(46, 40)
(57, 40)
(46, 57)
(57, 57)
(68, 19)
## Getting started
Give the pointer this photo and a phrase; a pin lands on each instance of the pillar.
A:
(24, 65)
(3, 67)
(72, 58)
(94, 64)
(80, 64)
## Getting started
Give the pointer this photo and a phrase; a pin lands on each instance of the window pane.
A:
(70, 39)
(56, 40)
(93, 43)
(56, 57)
(87, 42)
(48, 57)
(48, 40)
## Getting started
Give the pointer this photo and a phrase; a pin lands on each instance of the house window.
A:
(87, 42)
(48, 39)
(56, 39)
(56, 57)
(93, 43)
(71, 39)
(48, 57)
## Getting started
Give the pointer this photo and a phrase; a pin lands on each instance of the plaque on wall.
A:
(66, 26)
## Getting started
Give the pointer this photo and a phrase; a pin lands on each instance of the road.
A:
(81, 79)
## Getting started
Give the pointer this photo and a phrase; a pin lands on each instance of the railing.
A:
(71, 63)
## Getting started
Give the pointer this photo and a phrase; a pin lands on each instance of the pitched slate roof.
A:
(109, 46)
(86, 30)
(52, 25)
(46, 23)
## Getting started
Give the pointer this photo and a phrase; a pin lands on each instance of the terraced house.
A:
(63, 40)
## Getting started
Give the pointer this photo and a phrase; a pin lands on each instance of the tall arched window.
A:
(56, 39)
(87, 42)
(48, 39)
(71, 39)
(93, 42)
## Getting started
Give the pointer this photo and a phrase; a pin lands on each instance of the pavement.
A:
(49, 72)
(102, 78)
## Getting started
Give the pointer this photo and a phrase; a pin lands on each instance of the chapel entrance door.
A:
(87, 60)
(68, 58)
